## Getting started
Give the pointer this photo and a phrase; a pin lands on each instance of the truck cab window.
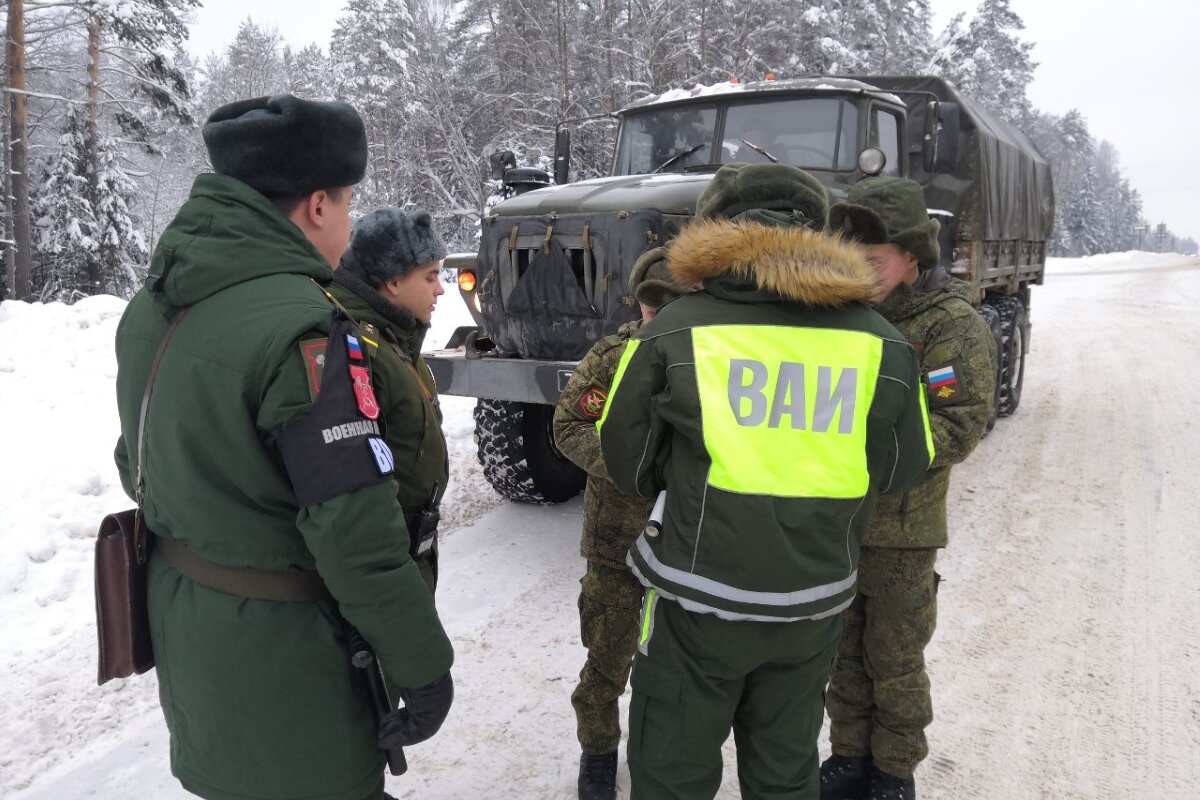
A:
(885, 134)
(666, 141)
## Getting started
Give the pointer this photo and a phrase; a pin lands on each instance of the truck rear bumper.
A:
(521, 380)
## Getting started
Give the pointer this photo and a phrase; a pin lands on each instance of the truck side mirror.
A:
(562, 156)
(941, 137)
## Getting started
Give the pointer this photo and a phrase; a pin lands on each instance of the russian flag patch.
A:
(942, 377)
(943, 384)
(354, 347)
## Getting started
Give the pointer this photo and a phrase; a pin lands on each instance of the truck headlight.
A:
(466, 280)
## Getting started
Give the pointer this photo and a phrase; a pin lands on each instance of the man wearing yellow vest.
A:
(773, 407)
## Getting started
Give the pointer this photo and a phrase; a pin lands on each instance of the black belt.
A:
(298, 586)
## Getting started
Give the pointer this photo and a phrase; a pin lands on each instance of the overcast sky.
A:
(1132, 69)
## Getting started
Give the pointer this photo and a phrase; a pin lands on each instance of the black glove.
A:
(424, 711)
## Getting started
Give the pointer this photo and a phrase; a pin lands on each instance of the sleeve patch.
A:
(336, 448)
(313, 353)
(944, 387)
(591, 402)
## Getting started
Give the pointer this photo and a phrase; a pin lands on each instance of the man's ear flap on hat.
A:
(857, 224)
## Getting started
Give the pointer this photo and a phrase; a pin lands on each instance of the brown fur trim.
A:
(797, 263)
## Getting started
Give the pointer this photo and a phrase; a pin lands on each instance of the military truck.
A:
(551, 274)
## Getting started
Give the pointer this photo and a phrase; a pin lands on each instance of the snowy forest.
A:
(104, 106)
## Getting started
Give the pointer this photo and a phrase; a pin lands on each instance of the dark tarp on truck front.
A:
(551, 286)
(1001, 188)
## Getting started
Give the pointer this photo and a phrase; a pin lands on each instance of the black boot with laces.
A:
(886, 786)
(846, 778)
(598, 777)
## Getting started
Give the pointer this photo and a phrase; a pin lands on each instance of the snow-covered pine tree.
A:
(369, 50)
(87, 239)
(988, 60)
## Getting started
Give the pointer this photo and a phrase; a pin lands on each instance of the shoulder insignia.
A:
(313, 353)
(943, 385)
(370, 335)
(591, 402)
(364, 392)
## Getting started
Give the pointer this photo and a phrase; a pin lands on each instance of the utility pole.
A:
(1162, 235)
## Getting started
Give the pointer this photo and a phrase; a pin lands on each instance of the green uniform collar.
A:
(227, 233)
(367, 305)
(909, 301)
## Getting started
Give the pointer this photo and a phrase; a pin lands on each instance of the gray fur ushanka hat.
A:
(888, 211)
(284, 146)
(389, 243)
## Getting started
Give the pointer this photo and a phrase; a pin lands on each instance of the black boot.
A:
(886, 786)
(598, 777)
(846, 778)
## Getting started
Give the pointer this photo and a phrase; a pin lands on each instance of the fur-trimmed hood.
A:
(794, 263)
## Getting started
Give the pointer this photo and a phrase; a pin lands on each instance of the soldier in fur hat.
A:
(772, 407)
(878, 699)
(610, 594)
(263, 474)
(390, 282)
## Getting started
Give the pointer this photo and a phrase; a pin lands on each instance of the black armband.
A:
(337, 447)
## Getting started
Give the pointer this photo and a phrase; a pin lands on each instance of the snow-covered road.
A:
(1066, 664)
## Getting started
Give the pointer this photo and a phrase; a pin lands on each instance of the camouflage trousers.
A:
(878, 698)
(609, 602)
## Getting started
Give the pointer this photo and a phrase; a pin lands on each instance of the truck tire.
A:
(516, 448)
(1012, 354)
(992, 317)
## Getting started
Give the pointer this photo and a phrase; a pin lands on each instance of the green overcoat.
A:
(260, 698)
(410, 416)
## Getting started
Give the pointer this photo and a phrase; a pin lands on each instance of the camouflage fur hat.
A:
(888, 211)
(284, 146)
(773, 194)
(651, 282)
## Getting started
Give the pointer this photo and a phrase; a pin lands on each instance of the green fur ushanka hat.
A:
(888, 211)
(284, 146)
(772, 194)
(651, 281)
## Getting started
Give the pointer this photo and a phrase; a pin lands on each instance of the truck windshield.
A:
(666, 140)
(808, 132)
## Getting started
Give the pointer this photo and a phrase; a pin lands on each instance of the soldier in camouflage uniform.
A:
(611, 596)
(878, 700)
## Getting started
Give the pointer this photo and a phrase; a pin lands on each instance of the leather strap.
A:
(254, 584)
(158, 356)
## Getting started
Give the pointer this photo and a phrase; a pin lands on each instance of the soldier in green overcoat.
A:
(878, 700)
(389, 282)
(262, 464)
(610, 595)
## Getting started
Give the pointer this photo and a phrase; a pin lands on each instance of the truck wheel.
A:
(1012, 354)
(992, 317)
(516, 449)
